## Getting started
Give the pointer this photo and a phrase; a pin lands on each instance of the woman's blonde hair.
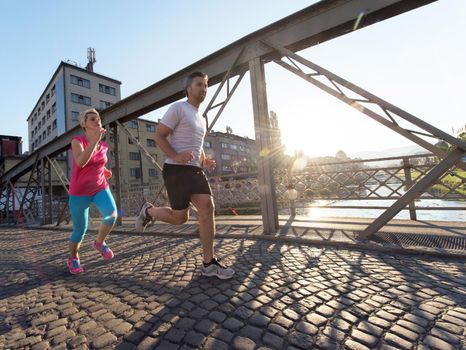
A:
(83, 116)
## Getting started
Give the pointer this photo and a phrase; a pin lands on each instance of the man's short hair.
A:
(190, 78)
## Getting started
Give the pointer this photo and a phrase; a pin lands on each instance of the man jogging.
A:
(180, 134)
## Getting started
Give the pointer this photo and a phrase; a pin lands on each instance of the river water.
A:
(431, 215)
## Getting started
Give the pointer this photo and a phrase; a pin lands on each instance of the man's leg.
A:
(178, 190)
(205, 208)
(169, 215)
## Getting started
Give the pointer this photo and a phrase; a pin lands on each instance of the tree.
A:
(273, 119)
(341, 155)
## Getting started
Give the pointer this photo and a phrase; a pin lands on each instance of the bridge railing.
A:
(331, 184)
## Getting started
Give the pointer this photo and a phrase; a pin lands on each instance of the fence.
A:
(383, 179)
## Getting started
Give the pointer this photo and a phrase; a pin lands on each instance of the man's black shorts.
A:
(182, 181)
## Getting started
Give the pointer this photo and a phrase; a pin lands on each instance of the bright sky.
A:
(415, 61)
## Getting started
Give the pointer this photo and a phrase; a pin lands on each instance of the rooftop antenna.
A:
(90, 59)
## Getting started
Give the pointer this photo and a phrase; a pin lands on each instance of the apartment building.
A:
(70, 91)
(10, 145)
(232, 153)
(135, 168)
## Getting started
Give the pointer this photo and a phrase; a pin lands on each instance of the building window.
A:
(135, 172)
(74, 116)
(54, 107)
(134, 156)
(49, 129)
(32, 134)
(107, 89)
(47, 98)
(207, 144)
(44, 134)
(232, 146)
(130, 141)
(43, 120)
(150, 127)
(226, 156)
(43, 104)
(54, 124)
(153, 172)
(40, 124)
(241, 148)
(104, 104)
(48, 114)
(133, 124)
(84, 100)
(224, 145)
(52, 91)
(150, 143)
(226, 168)
(80, 81)
(40, 138)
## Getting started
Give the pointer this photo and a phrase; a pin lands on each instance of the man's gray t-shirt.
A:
(189, 129)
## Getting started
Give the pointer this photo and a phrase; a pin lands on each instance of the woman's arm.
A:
(82, 155)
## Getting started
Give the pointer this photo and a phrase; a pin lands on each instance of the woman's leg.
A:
(79, 210)
(106, 204)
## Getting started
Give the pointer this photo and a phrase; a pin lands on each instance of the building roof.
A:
(233, 136)
(65, 64)
(10, 137)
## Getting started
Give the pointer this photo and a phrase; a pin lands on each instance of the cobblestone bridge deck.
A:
(286, 294)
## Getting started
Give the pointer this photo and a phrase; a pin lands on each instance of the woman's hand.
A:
(95, 135)
(107, 173)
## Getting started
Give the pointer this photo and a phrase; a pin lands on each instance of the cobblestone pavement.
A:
(284, 296)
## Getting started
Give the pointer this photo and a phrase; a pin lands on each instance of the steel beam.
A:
(408, 183)
(334, 89)
(264, 147)
(229, 93)
(428, 180)
(317, 23)
(116, 174)
(42, 189)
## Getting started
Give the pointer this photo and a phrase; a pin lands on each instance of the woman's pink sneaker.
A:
(103, 249)
(74, 265)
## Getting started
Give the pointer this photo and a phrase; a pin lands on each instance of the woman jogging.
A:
(89, 185)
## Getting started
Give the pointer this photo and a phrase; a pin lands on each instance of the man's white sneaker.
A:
(143, 219)
(216, 269)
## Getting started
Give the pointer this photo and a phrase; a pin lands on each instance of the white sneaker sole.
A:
(213, 274)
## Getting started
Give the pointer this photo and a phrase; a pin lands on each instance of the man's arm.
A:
(206, 162)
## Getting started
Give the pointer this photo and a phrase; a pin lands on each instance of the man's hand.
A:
(209, 164)
(184, 157)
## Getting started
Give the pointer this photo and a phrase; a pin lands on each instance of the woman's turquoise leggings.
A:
(79, 209)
